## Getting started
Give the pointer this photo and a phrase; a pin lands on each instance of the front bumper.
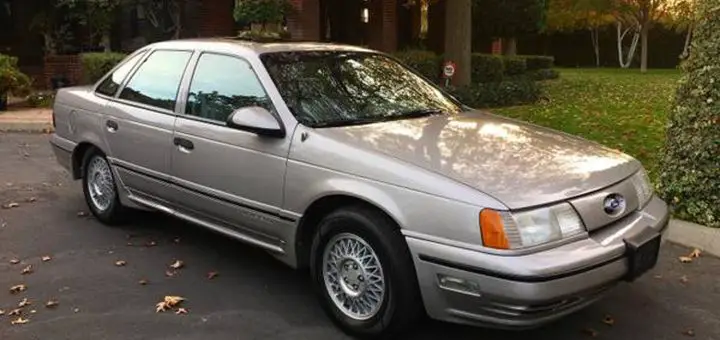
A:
(529, 290)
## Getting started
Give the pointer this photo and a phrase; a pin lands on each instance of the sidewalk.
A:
(695, 236)
(26, 120)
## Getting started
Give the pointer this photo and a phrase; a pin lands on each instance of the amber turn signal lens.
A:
(492, 230)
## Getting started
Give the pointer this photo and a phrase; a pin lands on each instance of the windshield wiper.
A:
(419, 113)
(346, 122)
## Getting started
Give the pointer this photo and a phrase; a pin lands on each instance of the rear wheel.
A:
(100, 189)
(363, 273)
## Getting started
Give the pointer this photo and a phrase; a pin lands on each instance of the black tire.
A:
(115, 213)
(402, 303)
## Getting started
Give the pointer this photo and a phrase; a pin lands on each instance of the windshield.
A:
(324, 89)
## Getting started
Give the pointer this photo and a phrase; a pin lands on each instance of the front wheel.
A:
(363, 273)
(100, 189)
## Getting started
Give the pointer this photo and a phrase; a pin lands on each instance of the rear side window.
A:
(157, 80)
(111, 84)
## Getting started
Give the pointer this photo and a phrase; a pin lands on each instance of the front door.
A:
(139, 123)
(226, 175)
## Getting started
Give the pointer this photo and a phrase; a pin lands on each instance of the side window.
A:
(111, 84)
(221, 85)
(157, 80)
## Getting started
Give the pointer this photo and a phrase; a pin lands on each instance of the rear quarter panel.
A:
(78, 116)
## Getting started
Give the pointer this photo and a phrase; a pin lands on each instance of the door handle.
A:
(111, 125)
(183, 144)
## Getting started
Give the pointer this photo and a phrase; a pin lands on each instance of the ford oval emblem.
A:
(614, 204)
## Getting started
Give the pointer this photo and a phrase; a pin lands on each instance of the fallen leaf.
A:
(695, 253)
(130, 244)
(161, 307)
(684, 279)
(10, 205)
(685, 259)
(24, 303)
(76, 310)
(51, 304)
(32, 311)
(15, 312)
(14, 261)
(689, 332)
(608, 320)
(2, 312)
(120, 263)
(177, 264)
(17, 289)
(590, 332)
(19, 321)
(173, 301)
(31, 199)
(82, 214)
(212, 275)
(143, 282)
(151, 244)
(46, 258)
(27, 270)
(176, 240)
(181, 311)
(169, 273)
(658, 276)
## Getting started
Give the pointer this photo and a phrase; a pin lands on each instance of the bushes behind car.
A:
(96, 65)
(497, 80)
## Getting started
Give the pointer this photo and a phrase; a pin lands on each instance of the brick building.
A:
(385, 25)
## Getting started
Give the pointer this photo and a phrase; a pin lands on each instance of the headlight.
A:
(644, 189)
(505, 230)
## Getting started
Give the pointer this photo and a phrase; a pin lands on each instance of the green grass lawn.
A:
(623, 109)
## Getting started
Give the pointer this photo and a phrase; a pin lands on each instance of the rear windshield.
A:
(324, 89)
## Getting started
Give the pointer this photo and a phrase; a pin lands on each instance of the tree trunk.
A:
(594, 36)
(625, 62)
(686, 47)
(644, 32)
(509, 46)
(458, 38)
(105, 42)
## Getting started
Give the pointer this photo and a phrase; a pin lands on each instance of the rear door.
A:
(140, 119)
(227, 175)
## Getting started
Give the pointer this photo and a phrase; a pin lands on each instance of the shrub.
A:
(96, 65)
(486, 68)
(426, 63)
(544, 74)
(690, 175)
(11, 79)
(538, 62)
(41, 99)
(516, 91)
(513, 66)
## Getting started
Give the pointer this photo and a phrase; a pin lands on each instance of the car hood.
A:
(520, 164)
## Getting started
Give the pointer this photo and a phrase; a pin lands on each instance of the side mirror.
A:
(257, 120)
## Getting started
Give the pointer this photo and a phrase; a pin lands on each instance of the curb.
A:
(28, 127)
(695, 236)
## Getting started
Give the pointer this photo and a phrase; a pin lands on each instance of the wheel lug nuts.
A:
(361, 278)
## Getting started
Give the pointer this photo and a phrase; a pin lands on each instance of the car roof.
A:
(255, 47)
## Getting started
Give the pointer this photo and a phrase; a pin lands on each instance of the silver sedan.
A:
(400, 200)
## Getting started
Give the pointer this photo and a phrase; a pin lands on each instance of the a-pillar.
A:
(216, 18)
(383, 25)
(304, 22)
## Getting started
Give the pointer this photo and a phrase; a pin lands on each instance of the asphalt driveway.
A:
(253, 296)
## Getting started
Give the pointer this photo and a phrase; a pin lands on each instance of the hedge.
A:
(517, 91)
(690, 175)
(513, 66)
(96, 65)
(538, 62)
(486, 68)
(544, 74)
(426, 63)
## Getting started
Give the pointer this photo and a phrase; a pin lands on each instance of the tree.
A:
(690, 177)
(508, 19)
(681, 17)
(97, 15)
(458, 38)
(571, 15)
(639, 16)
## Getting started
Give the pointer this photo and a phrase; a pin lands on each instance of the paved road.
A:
(254, 296)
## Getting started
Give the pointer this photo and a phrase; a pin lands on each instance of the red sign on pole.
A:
(449, 69)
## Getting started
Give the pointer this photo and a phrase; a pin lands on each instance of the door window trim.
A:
(122, 82)
(187, 83)
(116, 98)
